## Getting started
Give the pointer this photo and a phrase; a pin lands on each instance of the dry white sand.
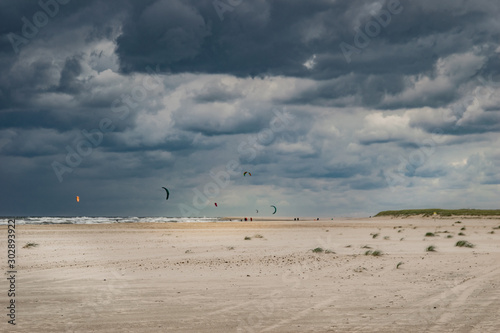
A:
(205, 277)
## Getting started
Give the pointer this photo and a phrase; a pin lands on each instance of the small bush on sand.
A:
(30, 245)
(461, 234)
(464, 243)
(430, 234)
(374, 235)
(399, 264)
(431, 248)
(318, 250)
(449, 236)
(247, 238)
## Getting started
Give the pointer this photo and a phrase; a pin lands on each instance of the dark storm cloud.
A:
(355, 118)
(277, 37)
(68, 82)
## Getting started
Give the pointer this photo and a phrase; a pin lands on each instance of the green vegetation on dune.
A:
(441, 212)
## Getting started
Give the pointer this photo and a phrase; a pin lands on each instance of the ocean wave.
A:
(104, 219)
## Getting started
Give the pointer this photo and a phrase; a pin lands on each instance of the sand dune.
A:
(205, 277)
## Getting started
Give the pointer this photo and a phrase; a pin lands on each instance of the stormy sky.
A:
(336, 108)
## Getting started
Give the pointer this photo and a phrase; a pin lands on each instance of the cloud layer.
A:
(110, 100)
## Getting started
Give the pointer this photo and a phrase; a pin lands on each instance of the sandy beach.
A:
(206, 277)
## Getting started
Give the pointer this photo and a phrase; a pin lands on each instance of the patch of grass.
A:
(431, 248)
(399, 264)
(248, 238)
(374, 235)
(376, 253)
(318, 250)
(464, 243)
(430, 234)
(463, 228)
(461, 234)
(458, 222)
(366, 247)
(449, 236)
(441, 212)
(30, 245)
(400, 230)
(258, 236)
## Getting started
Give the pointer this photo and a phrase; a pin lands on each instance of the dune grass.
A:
(441, 212)
(376, 253)
(318, 250)
(430, 248)
(30, 245)
(464, 243)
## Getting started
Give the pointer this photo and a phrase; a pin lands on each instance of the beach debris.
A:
(216, 204)
(77, 198)
(245, 173)
(275, 209)
(168, 193)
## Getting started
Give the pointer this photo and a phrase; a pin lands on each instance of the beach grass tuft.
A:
(430, 248)
(464, 243)
(430, 234)
(461, 234)
(399, 264)
(318, 250)
(30, 245)
(374, 235)
(248, 238)
(376, 253)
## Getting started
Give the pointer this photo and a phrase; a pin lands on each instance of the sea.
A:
(106, 219)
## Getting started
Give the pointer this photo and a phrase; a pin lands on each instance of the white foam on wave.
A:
(104, 219)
